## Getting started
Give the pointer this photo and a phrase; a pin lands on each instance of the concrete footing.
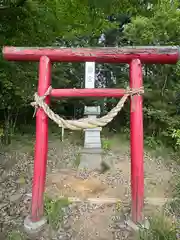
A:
(34, 227)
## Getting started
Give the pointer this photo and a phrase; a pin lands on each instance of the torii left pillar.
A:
(36, 221)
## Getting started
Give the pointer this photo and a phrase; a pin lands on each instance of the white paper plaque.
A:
(89, 74)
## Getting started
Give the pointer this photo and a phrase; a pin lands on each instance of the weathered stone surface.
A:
(91, 159)
(92, 138)
(95, 110)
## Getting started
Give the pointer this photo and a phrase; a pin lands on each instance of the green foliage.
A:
(176, 136)
(77, 160)
(77, 18)
(161, 116)
(152, 142)
(161, 228)
(15, 235)
(174, 205)
(160, 28)
(1, 132)
(54, 210)
(106, 144)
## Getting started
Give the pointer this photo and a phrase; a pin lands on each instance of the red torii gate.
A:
(133, 56)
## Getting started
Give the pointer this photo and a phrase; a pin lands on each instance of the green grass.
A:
(114, 140)
(165, 226)
(77, 160)
(54, 211)
(161, 228)
(106, 144)
(174, 205)
(15, 235)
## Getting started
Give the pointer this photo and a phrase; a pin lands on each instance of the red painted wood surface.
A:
(137, 152)
(164, 54)
(41, 146)
(88, 92)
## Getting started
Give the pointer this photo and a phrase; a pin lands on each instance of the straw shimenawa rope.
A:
(83, 123)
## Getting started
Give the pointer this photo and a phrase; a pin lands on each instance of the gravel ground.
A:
(81, 220)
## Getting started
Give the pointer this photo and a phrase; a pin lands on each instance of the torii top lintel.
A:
(147, 54)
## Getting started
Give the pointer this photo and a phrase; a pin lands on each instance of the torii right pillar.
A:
(137, 152)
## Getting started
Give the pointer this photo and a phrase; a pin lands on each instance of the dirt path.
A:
(81, 220)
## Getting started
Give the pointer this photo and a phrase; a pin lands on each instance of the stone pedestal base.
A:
(90, 160)
(91, 156)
